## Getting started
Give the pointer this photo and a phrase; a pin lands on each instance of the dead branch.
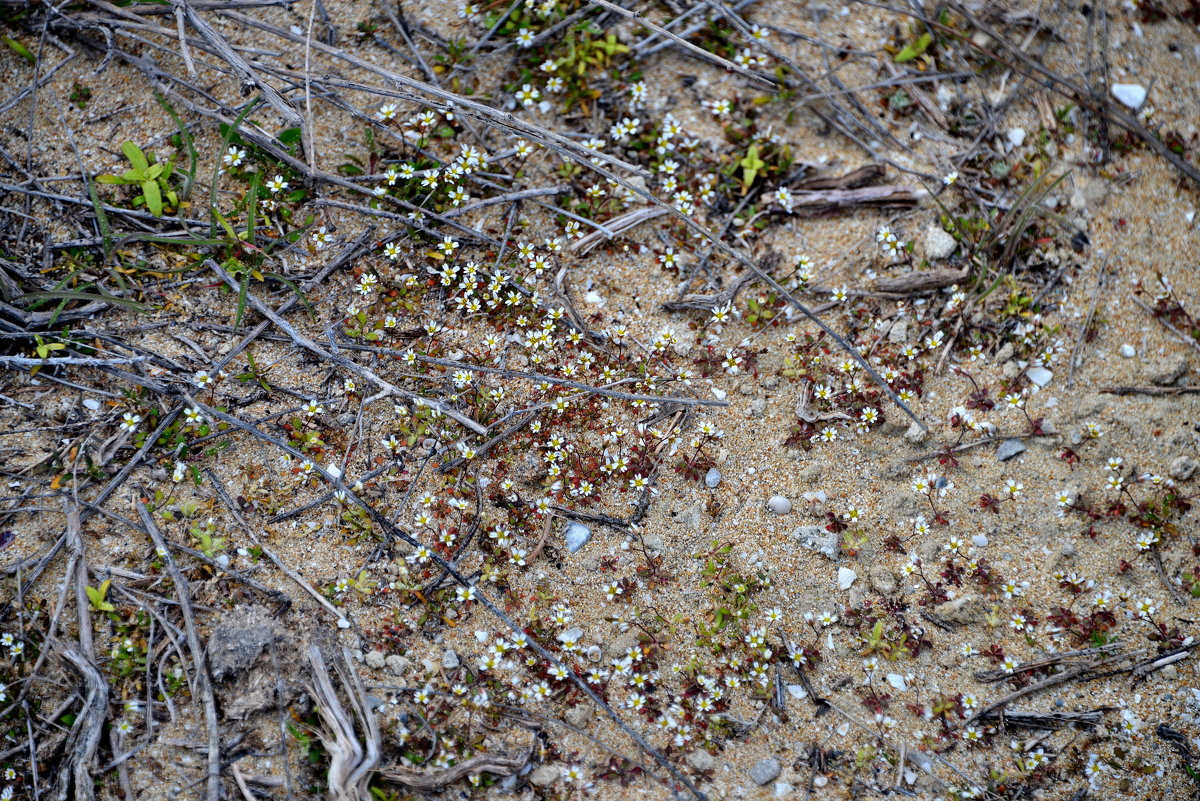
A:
(1046, 683)
(820, 201)
(349, 762)
(499, 764)
(199, 661)
(1048, 720)
(617, 225)
(1037, 664)
(922, 281)
(85, 734)
(1150, 390)
(223, 494)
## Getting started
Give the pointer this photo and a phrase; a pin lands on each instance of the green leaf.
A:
(914, 49)
(751, 164)
(153, 197)
(135, 155)
(289, 136)
(20, 49)
(96, 597)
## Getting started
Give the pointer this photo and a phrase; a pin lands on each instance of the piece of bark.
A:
(499, 764)
(876, 197)
(922, 280)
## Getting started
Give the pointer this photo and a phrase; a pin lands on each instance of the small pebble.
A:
(712, 478)
(577, 536)
(779, 505)
(1130, 95)
(1128, 351)
(1009, 448)
(766, 771)
(1039, 375)
(1016, 136)
(979, 540)
(846, 577)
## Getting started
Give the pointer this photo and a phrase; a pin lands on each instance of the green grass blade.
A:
(186, 136)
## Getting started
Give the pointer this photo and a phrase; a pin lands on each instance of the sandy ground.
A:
(1139, 217)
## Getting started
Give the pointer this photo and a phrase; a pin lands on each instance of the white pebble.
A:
(897, 681)
(1016, 136)
(577, 536)
(779, 505)
(979, 540)
(1039, 375)
(846, 577)
(1128, 351)
(1129, 94)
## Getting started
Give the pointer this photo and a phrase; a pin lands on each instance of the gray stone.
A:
(898, 333)
(1167, 370)
(938, 243)
(817, 538)
(577, 536)
(545, 776)
(979, 540)
(1005, 353)
(779, 505)
(758, 407)
(712, 478)
(965, 610)
(1182, 468)
(766, 771)
(375, 659)
(397, 665)
(450, 660)
(882, 580)
(701, 760)
(1008, 449)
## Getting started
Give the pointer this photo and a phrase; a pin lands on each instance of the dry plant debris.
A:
(565, 399)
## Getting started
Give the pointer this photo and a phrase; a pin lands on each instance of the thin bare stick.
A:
(1049, 681)
(223, 494)
(306, 343)
(686, 45)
